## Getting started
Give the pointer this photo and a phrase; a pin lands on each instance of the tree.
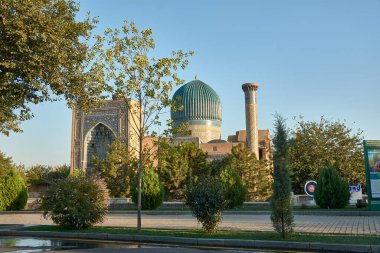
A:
(37, 174)
(173, 169)
(282, 216)
(145, 81)
(215, 167)
(332, 190)
(45, 175)
(58, 173)
(316, 145)
(13, 192)
(255, 174)
(5, 163)
(116, 169)
(45, 55)
(197, 159)
(177, 164)
(234, 188)
(152, 193)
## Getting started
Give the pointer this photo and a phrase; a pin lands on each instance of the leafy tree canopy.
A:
(44, 56)
(117, 169)
(138, 75)
(13, 192)
(256, 174)
(178, 163)
(45, 175)
(318, 144)
(5, 163)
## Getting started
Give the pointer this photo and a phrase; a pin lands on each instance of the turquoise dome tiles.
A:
(200, 103)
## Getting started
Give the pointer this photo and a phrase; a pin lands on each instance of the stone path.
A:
(357, 225)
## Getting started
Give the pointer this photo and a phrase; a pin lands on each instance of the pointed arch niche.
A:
(96, 143)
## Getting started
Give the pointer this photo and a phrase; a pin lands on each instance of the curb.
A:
(169, 212)
(233, 243)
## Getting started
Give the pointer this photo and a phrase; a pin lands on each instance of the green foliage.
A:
(177, 164)
(256, 174)
(13, 191)
(141, 78)
(320, 144)
(59, 172)
(37, 174)
(206, 201)
(361, 203)
(173, 169)
(5, 163)
(45, 175)
(332, 190)
(116, 169)
(45, 55)
(196, 157)
(282, 216)
(151, 191)
(234, 189)
(76, 202)
(215, 167)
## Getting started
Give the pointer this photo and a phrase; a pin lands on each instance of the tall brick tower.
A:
(251, 116)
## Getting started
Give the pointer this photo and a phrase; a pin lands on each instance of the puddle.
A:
(40, 244)
(13, 244)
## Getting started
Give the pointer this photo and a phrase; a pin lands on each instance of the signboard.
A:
(356, 193)
(372, 164)
(310, 187)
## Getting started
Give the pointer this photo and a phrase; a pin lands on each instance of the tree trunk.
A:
(139, 186)
(140, 167)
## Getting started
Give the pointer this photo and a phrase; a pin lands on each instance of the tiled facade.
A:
(93, 131)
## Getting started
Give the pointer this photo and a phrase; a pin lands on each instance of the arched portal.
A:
(96, 143)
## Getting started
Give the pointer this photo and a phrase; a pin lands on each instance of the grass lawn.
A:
(225, 234)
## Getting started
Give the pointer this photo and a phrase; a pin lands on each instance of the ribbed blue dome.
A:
(199, 102)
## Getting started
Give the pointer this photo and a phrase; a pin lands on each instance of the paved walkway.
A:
(358, 225)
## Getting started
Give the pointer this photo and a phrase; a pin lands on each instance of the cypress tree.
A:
(332, 189)
(282, 216)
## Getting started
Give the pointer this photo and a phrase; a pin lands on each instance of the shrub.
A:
(76, 202)
(206, 201)
(361, 203)
(13, 191)
(152, 192)
(332, 190)
(234, 188)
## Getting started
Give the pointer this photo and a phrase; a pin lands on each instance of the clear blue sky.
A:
(311, 58)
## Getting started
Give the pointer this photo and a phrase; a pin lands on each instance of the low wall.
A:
(126, 203)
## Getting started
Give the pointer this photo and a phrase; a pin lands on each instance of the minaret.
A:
(251, 116)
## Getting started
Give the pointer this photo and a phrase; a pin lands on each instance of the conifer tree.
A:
(282, 217)
(255, 173)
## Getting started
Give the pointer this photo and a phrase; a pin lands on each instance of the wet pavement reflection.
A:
(26, 245)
